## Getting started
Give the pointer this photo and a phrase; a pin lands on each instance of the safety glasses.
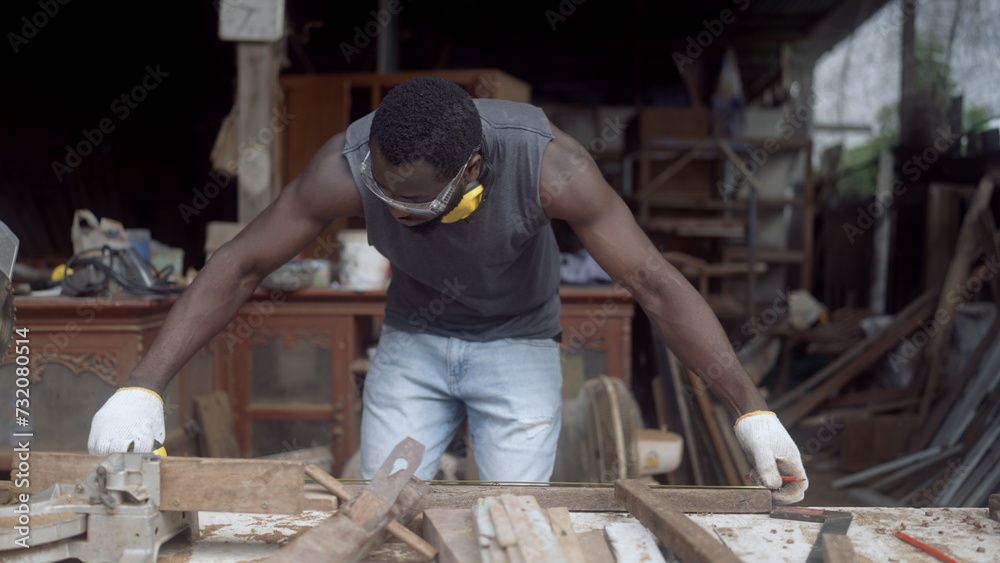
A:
(420, 209)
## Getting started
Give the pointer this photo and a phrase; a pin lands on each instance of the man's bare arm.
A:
(323, 192)
(574, 190)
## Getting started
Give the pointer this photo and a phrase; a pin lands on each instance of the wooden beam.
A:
(595, 545)
(256, 71)
(568, 540)
(451, 532)
(193, 483)
(965, 251)
(803, 399)
(721, 449)
(218, 435)
(721, 500)
(678, 533)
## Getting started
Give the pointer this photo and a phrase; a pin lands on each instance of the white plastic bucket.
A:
(361, 266)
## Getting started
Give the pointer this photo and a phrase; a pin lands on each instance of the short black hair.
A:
(427, 118)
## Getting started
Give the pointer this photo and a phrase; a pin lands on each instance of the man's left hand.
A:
(773, 455)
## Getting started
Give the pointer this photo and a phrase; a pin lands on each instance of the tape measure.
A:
(158, 448)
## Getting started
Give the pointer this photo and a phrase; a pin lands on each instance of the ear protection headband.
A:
(475, 191)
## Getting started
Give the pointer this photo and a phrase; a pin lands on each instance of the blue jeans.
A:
(423, 385)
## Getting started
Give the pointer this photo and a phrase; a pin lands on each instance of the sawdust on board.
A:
(276, 536)
(209, 530)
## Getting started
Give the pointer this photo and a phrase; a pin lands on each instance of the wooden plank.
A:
(994, 510)
(837, 375)
(945, 406)
(534, 540)
(257, 71)
(451, 532)
(319, 499)
(494, 536)
(947, 303)
(722, 500)
(882, 341)
(676, 375)
(630, 541)
(596, 547)
(882, 235)
(729, 435)
(721, 449)
(568, 540)
(837, 548)
(192, 483)
(687, 540)
(944, 210)
(215, 415)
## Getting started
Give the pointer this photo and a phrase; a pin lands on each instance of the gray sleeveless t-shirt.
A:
(492, 275)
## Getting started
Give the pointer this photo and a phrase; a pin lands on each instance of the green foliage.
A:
(975, 119)
(859, 165)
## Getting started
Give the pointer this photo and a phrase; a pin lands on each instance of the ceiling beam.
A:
(838, 23)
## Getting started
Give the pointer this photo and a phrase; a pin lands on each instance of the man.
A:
(458, 195)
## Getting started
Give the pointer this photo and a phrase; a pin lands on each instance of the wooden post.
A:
(883, 232)
(257, 72)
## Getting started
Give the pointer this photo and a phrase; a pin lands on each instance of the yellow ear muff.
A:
(470, 201)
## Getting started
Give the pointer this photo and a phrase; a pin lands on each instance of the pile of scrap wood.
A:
(944, 425)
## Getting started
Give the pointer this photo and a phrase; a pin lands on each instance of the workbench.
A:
(957, 532)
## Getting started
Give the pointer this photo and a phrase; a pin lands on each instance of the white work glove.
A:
(773, 454)
(132, 416)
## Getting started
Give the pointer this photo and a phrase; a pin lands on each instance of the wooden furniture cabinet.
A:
(80, 350)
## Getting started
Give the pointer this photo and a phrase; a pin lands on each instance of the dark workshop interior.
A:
(822, 172)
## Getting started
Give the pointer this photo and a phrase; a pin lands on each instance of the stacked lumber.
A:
(522, 528)
(505, 529)
(687, 406)
(940, 435)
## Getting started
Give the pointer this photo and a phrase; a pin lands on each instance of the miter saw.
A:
(8, 255)
(112, 515)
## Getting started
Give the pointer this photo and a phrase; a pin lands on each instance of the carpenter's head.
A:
(424, 145)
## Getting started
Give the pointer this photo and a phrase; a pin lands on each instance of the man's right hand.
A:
(133, 416)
